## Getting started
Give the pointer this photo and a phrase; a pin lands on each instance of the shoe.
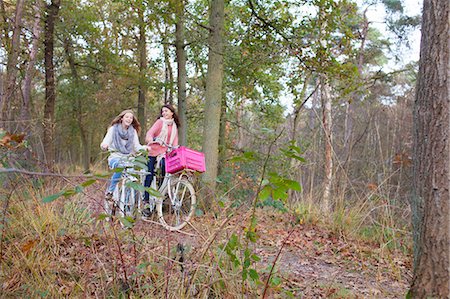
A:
(108, 196)
(146, 212)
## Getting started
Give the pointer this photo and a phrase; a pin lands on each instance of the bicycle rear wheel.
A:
(178, 204)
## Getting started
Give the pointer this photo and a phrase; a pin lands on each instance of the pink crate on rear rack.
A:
(185, 158)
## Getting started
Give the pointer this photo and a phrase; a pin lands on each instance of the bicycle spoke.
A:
(176, 211)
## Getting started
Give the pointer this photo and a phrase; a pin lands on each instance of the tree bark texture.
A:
(326, 123)
(182, 75)
(50, 86)
(142, 49)
(213, 95)
(430, 200)
(78, 107)
(25, 114)
(7, 98)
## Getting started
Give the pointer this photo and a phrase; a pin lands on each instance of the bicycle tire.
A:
(175, 217)
(110, 206)
(129, 201)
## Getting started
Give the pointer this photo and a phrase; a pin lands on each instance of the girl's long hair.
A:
(118, 120)
(175, 115)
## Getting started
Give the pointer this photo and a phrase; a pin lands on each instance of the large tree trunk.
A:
(213, 95)
(11, 68)
(142, 49)
(430, 201)
(182, 76)
(50, 86)
(29, 74)
(326, 123)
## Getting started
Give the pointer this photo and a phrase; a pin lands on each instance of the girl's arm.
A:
(175, 140)
(153, 132)
(107, 140)
(137, 145)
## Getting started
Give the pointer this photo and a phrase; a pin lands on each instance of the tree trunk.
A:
(26, 88)
(430, 201)
(213, 95)
(222, 138)
(50, 86)
(78, 108)
(326, 122)
(11, 68)
(168, 73)
(182, 76)
(142, 49)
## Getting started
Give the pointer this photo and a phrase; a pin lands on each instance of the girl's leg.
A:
(149, 178)
(163, 171)
(114, 163)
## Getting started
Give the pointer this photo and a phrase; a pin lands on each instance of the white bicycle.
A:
(173, 202)
(127, 196)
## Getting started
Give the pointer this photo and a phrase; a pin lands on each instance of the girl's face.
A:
(166, 113)
(127, 119)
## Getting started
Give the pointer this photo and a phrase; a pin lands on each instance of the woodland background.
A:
(337, 154)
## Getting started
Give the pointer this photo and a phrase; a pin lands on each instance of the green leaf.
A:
(153, 192)
(52, 197)
(199, 212)
(79, 189)
(294, 185)
(102, 175)
(280, 194)
(127, 221)
(275, 280)
(408, 295)
(140, 165)
(252, 236)
(253, 274)
(141, 159)
(265, 192)
(88, 182)
(102, 216)
(69, 193)
(255, 258)
(244, 274)
(135, 186)
(232, 244)
(221, 204)
(267, 130)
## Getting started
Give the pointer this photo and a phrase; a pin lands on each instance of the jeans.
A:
(149, 178)
(114, 163)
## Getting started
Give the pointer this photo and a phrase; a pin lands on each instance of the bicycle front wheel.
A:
(178, 204)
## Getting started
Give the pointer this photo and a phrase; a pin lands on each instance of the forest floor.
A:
(310, 260)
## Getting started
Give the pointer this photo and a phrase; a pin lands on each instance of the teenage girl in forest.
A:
(121, 140)
(164, 130)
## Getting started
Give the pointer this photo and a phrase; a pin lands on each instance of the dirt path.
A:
(313, 263)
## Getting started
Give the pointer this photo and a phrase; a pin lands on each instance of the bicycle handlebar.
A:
(163, 143)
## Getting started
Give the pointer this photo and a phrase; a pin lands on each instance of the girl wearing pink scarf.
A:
(164, 130)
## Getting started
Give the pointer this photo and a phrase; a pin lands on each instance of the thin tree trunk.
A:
(213, 96)
(430, 201)
(240, 129)
(86, 157)
(50, 86)
(182, 76)
(326, 122)
(168, 73)
(11, 68)
(25, 114)
(142, 49)
(222, 138)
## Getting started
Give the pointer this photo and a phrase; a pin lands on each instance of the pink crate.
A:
(185, 158)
